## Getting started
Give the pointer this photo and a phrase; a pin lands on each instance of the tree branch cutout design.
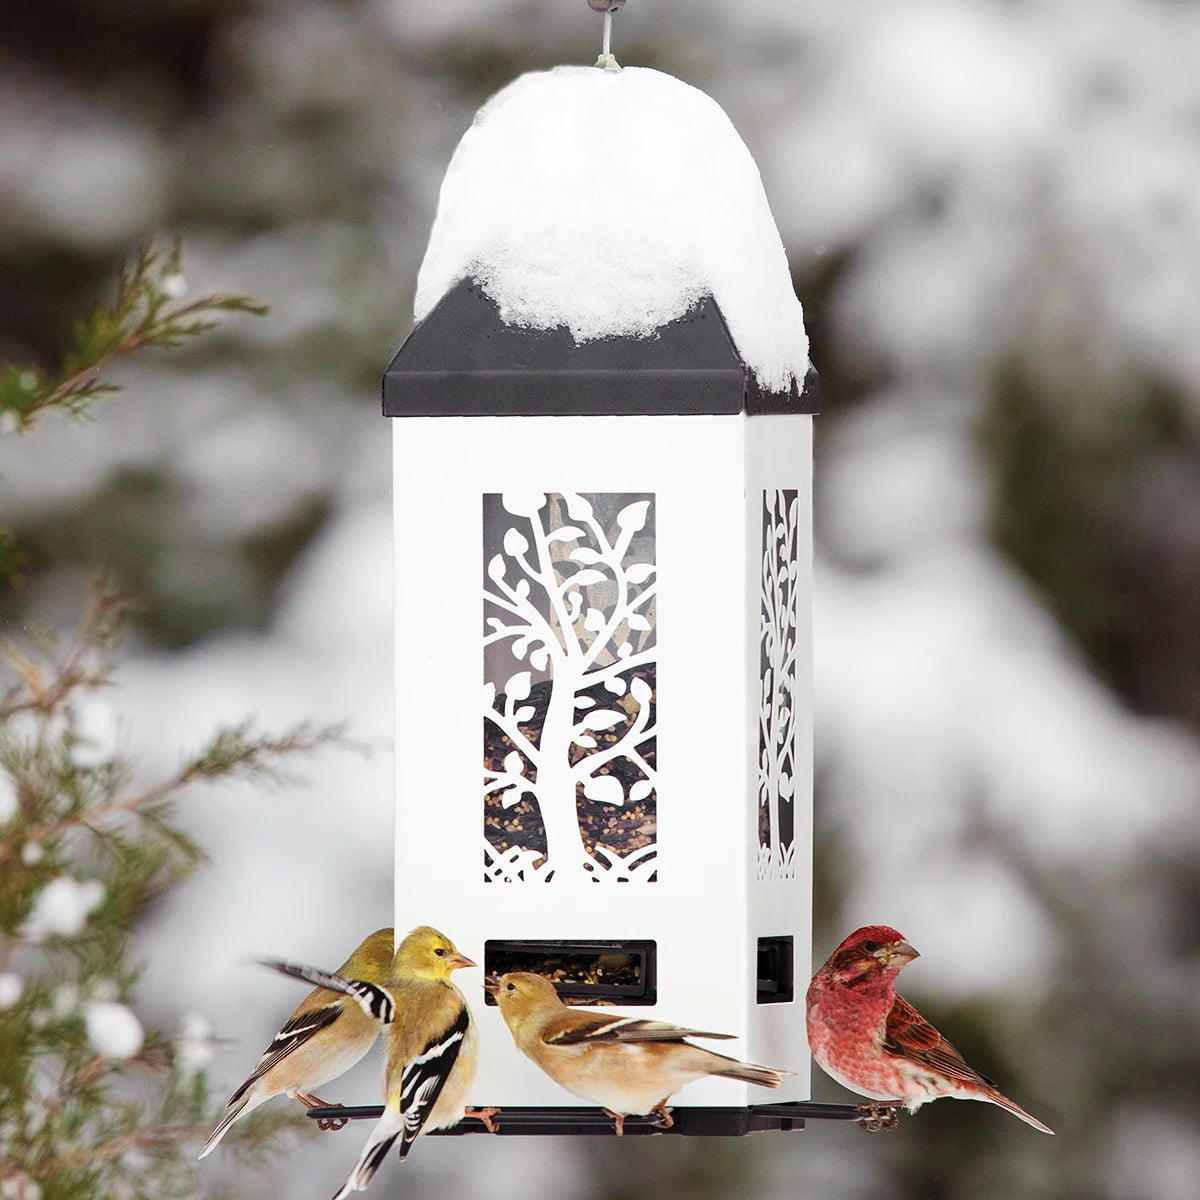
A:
(569, 651)
(777, 684)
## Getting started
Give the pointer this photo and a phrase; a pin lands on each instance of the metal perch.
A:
(690, 1122)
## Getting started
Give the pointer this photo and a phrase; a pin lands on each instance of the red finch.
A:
(875, 1043)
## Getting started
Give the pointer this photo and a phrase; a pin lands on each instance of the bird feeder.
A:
(602, 425)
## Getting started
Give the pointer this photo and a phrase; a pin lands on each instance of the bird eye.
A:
(439, 952)
(512, 987)
(870, 947)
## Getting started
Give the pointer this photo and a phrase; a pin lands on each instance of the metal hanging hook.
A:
(607, 60)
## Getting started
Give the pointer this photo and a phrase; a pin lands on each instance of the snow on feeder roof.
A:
(616, 203)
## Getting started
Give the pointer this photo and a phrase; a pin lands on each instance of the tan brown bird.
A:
(323, 1038)
(628, 1066)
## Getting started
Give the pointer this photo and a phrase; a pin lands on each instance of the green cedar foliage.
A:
(92, 1103)
(149, 310)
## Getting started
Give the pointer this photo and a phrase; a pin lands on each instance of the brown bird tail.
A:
(236, 1107)
(730, 1068)
(1017, 1111)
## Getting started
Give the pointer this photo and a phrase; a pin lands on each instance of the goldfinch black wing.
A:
(375, 1001)
(426, 1075)
(298, 1030)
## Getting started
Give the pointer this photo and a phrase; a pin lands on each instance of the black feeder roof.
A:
(463, 360)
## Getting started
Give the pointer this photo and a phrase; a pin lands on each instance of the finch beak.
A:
(491, 984)
(898, 953)
(456, 960)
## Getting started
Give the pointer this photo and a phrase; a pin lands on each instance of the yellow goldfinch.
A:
(326, 1035)
(627, 1066)
(432, 1044)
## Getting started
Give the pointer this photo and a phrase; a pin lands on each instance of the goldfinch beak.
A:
(491, 983)
(456, 960)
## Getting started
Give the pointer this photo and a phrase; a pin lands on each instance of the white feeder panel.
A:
(709, 885)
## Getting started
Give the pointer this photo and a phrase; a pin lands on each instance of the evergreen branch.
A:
(157, 818)
(77, 1124)
(250, 1140)
(233, 752)
(44, 686)
(237, 751)
(148, 1139)
(256, 1137)
(142, 314)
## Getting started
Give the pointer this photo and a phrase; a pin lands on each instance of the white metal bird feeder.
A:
(602, 426)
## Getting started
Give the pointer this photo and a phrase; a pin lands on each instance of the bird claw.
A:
(664, 1118)
(876, 1117)
(325, 1123)
(485, 1115)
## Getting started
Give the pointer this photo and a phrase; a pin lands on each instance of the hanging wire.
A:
(607, 7)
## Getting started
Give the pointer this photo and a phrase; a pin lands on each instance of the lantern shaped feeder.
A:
(602, 426)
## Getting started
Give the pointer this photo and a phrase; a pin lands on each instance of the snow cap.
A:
(62, 908)
(113, 1031)
(612, 202)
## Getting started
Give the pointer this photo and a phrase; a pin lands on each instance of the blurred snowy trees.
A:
(992, 211)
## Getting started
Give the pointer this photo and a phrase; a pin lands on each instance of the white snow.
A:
(11, 986)
(195, 1045)
(20, 1187)
(62, 907)
(1153, 1154)
(97, 727)
(64, 1001)
(610, 203)
(93, 182)
(953, 717)
(113, 1030)
(8, 797)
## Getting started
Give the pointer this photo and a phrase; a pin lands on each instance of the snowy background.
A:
(992, 215)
